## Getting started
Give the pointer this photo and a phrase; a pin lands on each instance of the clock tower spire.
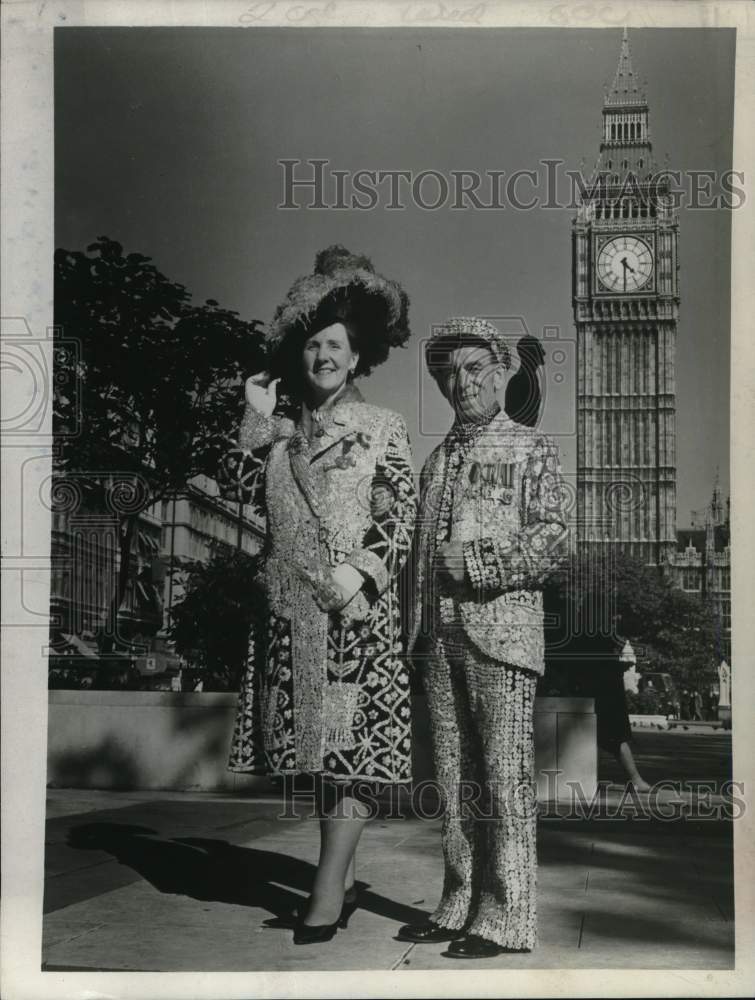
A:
(626, 87)
(625, 147)
(626, 305)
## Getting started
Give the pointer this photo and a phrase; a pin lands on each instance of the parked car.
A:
(114, 672)
(76, 664)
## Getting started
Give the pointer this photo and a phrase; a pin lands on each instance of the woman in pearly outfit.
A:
(333, 480)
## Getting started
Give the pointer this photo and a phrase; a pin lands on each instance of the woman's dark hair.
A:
(336, 308)
(364, 317)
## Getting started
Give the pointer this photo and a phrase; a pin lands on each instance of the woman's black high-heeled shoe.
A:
(319, 933)
(314, 933)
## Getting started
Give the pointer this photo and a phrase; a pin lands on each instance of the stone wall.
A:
(165, 740)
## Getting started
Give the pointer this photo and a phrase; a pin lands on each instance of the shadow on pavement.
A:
(217, 871)
(607, 926)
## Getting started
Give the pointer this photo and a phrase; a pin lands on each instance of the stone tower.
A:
(626, 306)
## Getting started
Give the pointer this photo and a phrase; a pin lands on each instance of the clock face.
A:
(625, 264)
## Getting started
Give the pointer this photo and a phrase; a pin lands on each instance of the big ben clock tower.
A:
(626, 306)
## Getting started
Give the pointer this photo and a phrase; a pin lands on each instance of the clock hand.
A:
(627, 267)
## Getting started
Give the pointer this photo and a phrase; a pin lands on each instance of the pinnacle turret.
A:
(627, 89)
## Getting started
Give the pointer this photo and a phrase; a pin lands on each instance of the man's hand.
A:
(450, 561)
(261, 393)
(381, 501)
(331, 596)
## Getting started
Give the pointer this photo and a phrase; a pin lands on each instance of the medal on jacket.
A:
(493, 480)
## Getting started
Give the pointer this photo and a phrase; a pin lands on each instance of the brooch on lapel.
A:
(346, 460)
(297, 443)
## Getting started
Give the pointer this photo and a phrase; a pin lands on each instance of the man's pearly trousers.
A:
(481, 714)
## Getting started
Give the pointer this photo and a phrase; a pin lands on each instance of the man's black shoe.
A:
(427, 933)
(474, 946)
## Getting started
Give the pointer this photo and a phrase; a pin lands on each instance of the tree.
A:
(685, 642)
(601, 605)
(156, 382)
(211, 624)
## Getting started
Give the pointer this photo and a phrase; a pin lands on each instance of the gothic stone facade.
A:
(626, 305)
(700, 565)
(170, 533)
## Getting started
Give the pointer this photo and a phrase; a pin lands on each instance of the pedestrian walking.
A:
(329, 694)
(697, 705)
(489, 533)
(598, 673)
(676, 705)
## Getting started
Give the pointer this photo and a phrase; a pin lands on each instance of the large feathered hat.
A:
(343, 284)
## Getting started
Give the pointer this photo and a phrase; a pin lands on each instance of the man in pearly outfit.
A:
(490, 531)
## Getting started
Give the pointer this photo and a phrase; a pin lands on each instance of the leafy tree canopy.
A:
(147, 384)
(156, 378)
(599, 605)
(210, 624)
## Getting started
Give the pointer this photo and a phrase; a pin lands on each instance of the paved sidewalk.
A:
(181, 882)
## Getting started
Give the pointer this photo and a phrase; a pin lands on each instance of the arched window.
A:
(642, 162)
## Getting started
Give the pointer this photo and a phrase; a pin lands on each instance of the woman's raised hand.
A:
(262, 393)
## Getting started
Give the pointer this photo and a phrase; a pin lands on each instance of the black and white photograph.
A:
(375, 483)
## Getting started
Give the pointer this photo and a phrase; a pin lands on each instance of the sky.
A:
(169, 140)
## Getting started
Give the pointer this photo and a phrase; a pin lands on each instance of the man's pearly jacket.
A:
(501, 495)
